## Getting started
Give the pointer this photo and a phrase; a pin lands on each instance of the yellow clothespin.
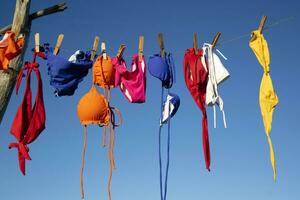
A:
(161, 44)
(215, 41)
(121, 50)
(103, 50)
(141, 47)
(195, 43)
(262, 23)
(37, 42)
(95, 46)
(58, 43)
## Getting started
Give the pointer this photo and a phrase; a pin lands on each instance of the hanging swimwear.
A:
(268, 99)
(65, 75)
(29, 121)
(94, 108)
(170, 107)
(164, 70)
(217, 73)
(132, 83)
(196, 78)
(9, 48)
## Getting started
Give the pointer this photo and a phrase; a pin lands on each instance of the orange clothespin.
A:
(141, 47)
(195, 43)
(103, 50)
(37, 42)
(215, 41)
(262, 23)
(161, 44)
(95, 46)
(58, 43)
(121, 51)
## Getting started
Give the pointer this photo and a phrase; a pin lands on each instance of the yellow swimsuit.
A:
(267, 96)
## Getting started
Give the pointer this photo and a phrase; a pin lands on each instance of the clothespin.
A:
(195, 43)
(58, 43)
(141, 47)
(262, 24)
(216, 38)
(103, 50)
(95, 46)
(121, 50)
(161, 44)
(37, 42)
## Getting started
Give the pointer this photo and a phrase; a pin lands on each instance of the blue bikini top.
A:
(162, 68)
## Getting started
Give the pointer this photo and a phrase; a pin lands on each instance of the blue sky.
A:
(240, 166)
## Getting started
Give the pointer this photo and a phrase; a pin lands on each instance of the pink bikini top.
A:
(132, 83)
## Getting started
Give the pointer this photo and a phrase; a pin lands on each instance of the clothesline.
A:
(266, 28)
(220, 43)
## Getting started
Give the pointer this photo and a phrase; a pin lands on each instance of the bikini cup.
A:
(162, 68)
(93, 108)
(195, 70)
(104, 72)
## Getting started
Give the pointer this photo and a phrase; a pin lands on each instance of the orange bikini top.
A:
(104, 72)
(94, 108)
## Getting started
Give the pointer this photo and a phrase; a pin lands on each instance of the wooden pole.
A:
(21, 25)
(41, 13)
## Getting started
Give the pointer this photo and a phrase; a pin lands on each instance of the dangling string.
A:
(163, 192)
(104, 127)
(113, 147)
(111, 139)
(110, 161)
(104, 137)
(168, 152)
(82, 163)
(159, 145)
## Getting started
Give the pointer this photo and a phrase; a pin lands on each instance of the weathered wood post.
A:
(21, 25)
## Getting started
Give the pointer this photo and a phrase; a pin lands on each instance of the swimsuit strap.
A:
(171, 65)
(163, 192)
(82, 162)
(111, 143)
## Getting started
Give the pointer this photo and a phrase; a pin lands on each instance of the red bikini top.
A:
(29, 121)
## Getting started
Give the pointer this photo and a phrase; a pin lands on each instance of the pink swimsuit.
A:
(132, 83)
